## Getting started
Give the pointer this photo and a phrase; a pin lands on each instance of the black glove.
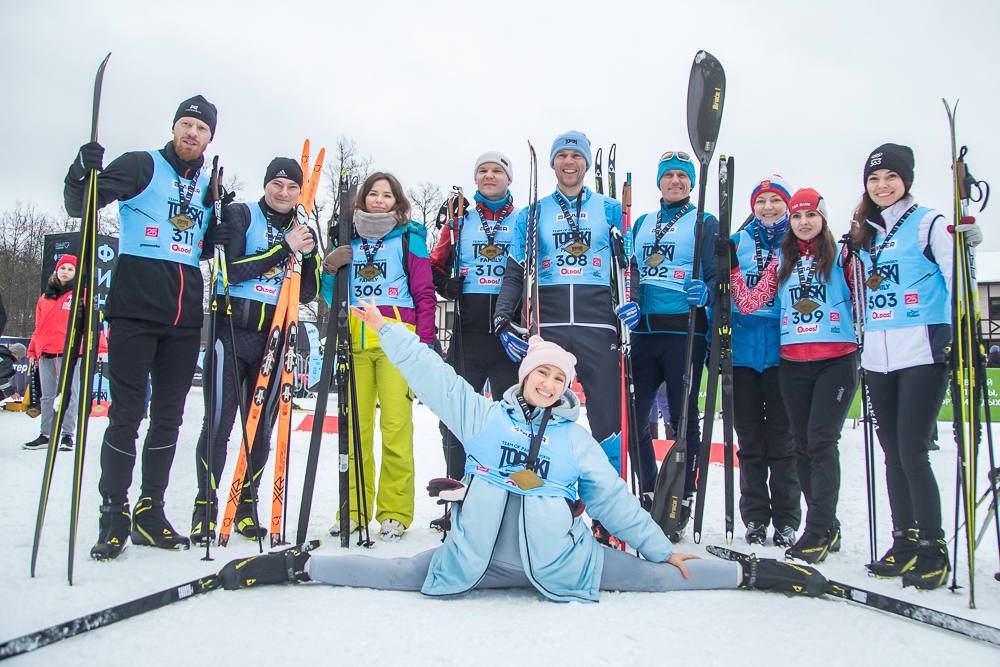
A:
(724, 245)
(218, 234)
(453, 287)
(225, 197)
(91, 156)
(849, 242)
(444, 213)
(446, 490)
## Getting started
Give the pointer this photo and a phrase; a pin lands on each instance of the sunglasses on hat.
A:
(681, 155)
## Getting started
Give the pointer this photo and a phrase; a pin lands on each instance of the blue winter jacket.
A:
(560, 555)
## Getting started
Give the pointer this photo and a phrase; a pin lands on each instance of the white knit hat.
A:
(497, 157)
(541, 352)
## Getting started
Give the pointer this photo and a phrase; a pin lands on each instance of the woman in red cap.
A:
(46, 350)
(818, 371)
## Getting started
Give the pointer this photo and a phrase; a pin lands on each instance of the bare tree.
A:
(426, 199)
(22, 239)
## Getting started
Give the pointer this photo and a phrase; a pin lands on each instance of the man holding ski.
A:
(155, 311)
(575, 304)
(262, 236)
(468, 266)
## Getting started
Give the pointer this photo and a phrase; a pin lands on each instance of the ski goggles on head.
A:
(681, 155)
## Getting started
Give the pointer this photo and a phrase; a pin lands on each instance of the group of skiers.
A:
(801, 300)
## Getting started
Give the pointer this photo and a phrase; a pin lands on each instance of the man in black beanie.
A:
(155, 311)
(261, 237)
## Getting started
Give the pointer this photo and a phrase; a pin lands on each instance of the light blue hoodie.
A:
(560, 555)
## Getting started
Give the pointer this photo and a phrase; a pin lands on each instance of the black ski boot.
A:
(812, 547)
(112, 533)
(203, 520)
(784, 536)
(900, 557)
(767, 574)
(835, 536)
(932, 566)
(756, 532)
(150, 526)
(273, 568)
(678, 534)
(246, 520)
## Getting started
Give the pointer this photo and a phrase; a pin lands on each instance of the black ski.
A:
(529, 299)
(706, 95)
(720, 364)
(916, 612)
(599, 172)
(612, 188)
(119, 612)
(81, 334)
(336, 318)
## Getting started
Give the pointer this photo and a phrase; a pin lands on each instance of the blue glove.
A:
(628, 314)
(697, 293)
(511, 337)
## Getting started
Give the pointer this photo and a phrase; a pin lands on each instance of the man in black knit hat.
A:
(261, 238)
(155, 312)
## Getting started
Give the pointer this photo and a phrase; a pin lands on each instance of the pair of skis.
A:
(720, 363)
(338, 351)
(599, 173)
(968, 361)
(706, 95)
(283, 335)
(82, 335)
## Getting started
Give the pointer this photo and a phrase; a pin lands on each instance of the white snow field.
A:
(325, 625)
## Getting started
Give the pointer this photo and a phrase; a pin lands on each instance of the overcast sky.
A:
(424, 87)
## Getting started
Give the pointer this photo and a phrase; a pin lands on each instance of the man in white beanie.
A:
(468, 264)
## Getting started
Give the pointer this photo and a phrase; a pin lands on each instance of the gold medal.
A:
(805, 306)
(181, 222)
(526, 479)
(491, 252)
(654, 260)
(370, 272)
(273, 272)
(874, 280)
(576, 248)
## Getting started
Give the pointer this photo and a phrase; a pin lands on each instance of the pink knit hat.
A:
(541, 352)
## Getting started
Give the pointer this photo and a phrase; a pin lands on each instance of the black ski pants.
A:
(659, 358)
(476, 357)
(818, 395)
(166, 355)
(598, 364)
(906, 404)
(249, 351)
(769, 480)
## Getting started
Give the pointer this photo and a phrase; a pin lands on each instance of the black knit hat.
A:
(893, 157)
(200, 108)
(283, 167)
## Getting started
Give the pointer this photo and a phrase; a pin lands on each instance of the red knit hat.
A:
(773, 183)
(807, 199)
(66, 259)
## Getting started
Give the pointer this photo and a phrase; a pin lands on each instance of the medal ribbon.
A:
(574, 224)
(662, 230)
(500, 216)
(875, 253)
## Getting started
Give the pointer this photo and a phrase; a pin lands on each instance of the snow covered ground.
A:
(328, 625)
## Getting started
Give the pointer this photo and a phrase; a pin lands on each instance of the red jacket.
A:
(51, 320)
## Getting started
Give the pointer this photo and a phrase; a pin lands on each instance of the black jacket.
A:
(141, 288)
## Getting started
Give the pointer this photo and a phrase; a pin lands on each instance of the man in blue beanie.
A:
(575, 300)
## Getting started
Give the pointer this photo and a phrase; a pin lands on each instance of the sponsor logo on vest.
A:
(911, 298)
(889, 272)
(890, 245)
(196, 214)
(597, 262)
(152, 232)
(816, 292)
(882, 314)
(393, 291)
(666, 249)
(489, 281)
(912, 313)
(564, 238)
(811, 329)
(182, 249)
(546, 263)
(834, 316)
(264, 289)
(679, 274)
(511, 456)
(567, 271)
(784, 320)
